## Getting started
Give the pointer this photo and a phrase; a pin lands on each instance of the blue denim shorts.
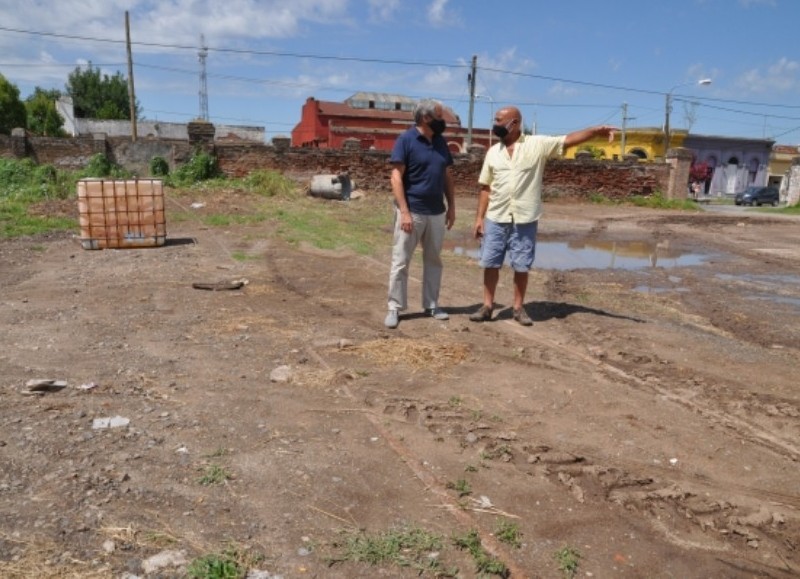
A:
(518, 240)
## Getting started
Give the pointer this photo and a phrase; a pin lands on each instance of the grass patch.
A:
(508, 532)
(242, 256)
(214, 474)
(407, 547)
(568, 560)
(658, 201)
(16, 221)
(331, 224)
(654, 201)
(484, 562)
(225, 220)
(231, 563)
(461, 486)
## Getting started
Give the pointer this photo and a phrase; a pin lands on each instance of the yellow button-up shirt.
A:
(516, 180)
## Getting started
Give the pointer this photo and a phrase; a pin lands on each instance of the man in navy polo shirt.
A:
(421, 182)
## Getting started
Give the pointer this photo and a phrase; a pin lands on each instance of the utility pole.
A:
(471, 79)
(624, 124)
(131, 92)
(201, 56)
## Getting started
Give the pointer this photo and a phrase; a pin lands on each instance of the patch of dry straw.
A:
(417, 354)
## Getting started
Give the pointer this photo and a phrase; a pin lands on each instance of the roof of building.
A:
(384, 106)
(379, 100)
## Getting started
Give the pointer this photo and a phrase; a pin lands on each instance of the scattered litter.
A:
(197, 205)
(221, 285)
(673, 461)
(113, 422)
(182, 450)
(87, 386)
(40, 387)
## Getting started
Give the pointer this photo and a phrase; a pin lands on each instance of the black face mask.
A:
(501, 131)
(437, 126)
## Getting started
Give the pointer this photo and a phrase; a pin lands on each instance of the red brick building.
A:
(374, 120)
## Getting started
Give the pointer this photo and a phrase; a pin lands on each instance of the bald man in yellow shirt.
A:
(510, 203)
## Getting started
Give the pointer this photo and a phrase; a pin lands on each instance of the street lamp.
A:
(491, 102)
(668, 108)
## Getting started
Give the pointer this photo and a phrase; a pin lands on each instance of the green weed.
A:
(508, 532)
(231, 563)
(242, 256)
(214, 474)
(225, 220)
(269, 184)
(568, 560)
(484, 562)
(406, 547)
(461, 486)
(658, 201)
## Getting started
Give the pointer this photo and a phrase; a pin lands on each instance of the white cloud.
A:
(500, 86)
(749, 3)
(781, 77)
(437, 14)
(559, 89)
(383, 10)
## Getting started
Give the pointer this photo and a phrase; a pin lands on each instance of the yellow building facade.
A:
(646, 143)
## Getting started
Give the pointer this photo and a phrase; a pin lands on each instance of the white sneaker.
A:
(392, 319)
(437, 313)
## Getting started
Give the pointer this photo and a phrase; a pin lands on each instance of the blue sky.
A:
(565, 64)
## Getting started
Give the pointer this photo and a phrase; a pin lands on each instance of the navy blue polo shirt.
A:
(426, 163)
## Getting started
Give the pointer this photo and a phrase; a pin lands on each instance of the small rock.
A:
(113, 422)
(281, 374)
(164, 559)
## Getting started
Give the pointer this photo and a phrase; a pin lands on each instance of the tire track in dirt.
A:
(642, 494)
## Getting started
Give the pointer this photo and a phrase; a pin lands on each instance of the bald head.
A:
(511, 119)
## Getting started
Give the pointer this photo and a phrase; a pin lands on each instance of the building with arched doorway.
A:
(645, 143)
(734, 163)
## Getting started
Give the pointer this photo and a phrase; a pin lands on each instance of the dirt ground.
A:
(649, 420)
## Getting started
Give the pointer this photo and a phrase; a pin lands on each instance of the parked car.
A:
(757, 196)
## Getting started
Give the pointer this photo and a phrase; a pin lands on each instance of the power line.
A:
(703, 101)
(463, 65)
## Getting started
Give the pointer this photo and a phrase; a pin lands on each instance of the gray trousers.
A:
(429, 231)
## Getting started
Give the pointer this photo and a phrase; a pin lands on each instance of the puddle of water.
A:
(594, 254)
(646, 289)
(767, 288)
(774, 280)
(777, 299)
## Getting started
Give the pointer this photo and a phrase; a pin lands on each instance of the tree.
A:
(12, 111)
(43, 118)
(99, 96)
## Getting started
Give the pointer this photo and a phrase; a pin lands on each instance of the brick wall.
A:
(368, 169)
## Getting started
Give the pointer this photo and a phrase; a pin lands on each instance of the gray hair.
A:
(425, 107)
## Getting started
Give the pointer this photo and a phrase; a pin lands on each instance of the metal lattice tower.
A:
(201, 56)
